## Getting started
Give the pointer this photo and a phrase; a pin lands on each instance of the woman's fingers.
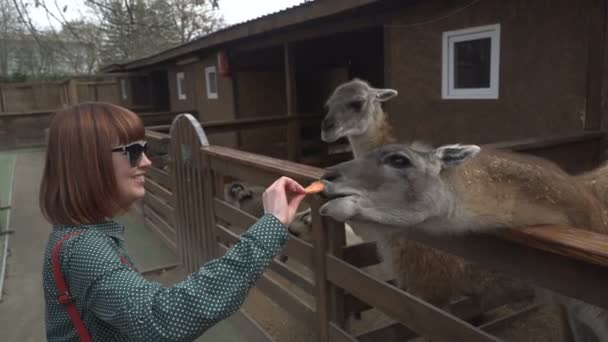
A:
(294, 186)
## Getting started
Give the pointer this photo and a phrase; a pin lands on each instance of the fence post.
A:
(328, 238)
(191, 192)
(72, 92)
(2, 100)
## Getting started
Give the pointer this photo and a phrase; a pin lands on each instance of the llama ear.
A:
(385, 94)
(453, 155)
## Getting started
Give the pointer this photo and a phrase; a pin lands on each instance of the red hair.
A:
(78, 184)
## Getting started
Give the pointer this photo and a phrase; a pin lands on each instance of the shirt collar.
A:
(109, 227)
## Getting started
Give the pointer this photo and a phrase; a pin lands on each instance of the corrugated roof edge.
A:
(334, 7)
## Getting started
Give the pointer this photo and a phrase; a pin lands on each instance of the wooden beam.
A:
(319, 30)
(293, 127)
(595, 64)
(2, 100)
(72, 92)
(556, 258)
(425, 319)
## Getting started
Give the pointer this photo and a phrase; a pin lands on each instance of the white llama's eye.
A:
(398, 161)
(355, 105)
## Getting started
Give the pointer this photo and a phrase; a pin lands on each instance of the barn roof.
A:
(306, 11)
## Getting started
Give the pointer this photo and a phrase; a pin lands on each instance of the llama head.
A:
(351, 108)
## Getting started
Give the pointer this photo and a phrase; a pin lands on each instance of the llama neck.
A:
(378, 133)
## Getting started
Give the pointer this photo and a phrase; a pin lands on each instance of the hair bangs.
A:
(126, 126)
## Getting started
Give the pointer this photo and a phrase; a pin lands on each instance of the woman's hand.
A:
(275, 199)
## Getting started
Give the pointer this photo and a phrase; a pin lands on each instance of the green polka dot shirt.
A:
(117, 304)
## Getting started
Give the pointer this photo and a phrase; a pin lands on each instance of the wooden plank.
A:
(595, 64)
(222, 126)
(324, 294)
(280, 268)
(284, 298)
(504, 321)
(154, 135)
(296, 248)
(293, 127)
(393, 332)
(2, 100)
(273, 167)
(30, 114)
(167, 228)
(573, 243)
(336, 334)
(232, 215)
(530, 144)
(247, 326)
(300, 280)
(420, 316)
(161, 208)
(246, 173)
(159, 191)
(361, 255)
(171, 244)
(550, 270)
(160, 177)
(301, 251)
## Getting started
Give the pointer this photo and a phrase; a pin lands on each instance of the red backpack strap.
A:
(64, 294)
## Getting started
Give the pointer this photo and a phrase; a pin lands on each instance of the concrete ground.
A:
(22, 305)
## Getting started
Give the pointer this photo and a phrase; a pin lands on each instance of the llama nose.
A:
(331, 175)
(328, 124)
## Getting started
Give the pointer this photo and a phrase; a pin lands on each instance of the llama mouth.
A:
(335, 195)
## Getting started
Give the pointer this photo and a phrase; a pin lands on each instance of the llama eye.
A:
(355, 105)
(398, 161)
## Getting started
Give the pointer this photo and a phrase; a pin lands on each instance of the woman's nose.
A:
(144, 162)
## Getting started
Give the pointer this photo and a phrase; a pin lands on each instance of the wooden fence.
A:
(187, 208)
(29, 129)
(50, 96)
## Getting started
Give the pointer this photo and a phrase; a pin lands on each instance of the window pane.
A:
(472, 63)
(212, 82)
(182, 85)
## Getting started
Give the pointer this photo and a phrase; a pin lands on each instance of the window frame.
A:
(181, 92)
(448, 70)
(123, 89)
(211, 95)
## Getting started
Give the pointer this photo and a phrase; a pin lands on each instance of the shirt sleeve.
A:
(145, 310)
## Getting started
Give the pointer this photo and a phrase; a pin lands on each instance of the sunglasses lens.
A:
(135, 151)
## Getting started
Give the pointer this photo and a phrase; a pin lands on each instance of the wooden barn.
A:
(522, 75)
(478, 71)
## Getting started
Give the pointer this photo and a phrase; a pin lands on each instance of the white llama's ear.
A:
(385, 94)
(452, 155)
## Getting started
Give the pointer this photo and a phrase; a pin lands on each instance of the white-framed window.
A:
(471, 62)
(181, 86)
(123, 88)
(211, 81)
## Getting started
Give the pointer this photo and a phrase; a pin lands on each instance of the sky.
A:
(234, 11)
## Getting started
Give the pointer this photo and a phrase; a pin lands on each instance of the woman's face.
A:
(130, 179)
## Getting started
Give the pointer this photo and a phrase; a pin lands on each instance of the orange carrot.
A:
(314, 187)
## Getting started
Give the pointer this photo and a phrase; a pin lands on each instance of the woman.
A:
(94, 170)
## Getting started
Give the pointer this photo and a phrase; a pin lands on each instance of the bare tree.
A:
(119, 30)
(11, 30)
(137, 28)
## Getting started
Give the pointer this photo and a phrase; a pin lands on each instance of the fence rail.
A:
(205, 226)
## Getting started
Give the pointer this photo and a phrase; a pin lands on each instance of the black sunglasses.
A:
(133, 151)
